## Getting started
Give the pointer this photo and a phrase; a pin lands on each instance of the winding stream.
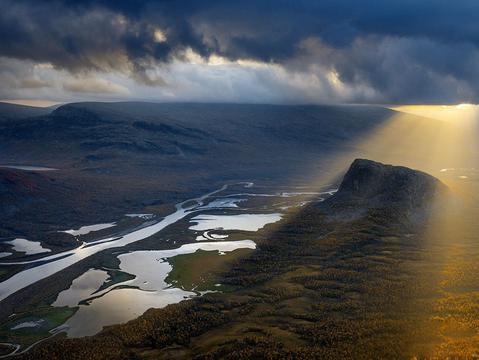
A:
(101, 298)
(60, 261)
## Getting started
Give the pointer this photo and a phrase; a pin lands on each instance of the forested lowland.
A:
(339, 279)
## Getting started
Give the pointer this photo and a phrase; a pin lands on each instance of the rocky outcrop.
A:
(373, 185)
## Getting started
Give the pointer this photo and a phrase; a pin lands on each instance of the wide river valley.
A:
(219, 223)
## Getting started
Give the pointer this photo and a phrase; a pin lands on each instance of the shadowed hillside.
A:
(13, 112)
(92, 132)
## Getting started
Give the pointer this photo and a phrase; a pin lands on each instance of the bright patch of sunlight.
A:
(423, 137)
(440, 112)
(29, 102)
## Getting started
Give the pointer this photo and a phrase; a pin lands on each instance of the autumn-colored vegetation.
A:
(319, 287)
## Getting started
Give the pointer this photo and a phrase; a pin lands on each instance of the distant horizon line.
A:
(38, 103)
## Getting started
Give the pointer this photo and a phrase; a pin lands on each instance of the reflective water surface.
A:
(105, 295)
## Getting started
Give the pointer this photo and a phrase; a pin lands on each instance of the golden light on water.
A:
(439, 112)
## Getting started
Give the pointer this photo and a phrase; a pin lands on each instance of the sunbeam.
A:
(443, 293)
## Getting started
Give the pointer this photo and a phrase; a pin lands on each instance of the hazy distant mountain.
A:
(13, 111)
(84, 134)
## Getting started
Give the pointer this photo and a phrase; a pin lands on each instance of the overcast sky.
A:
(298, 51)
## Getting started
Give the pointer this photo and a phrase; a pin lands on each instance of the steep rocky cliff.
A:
(397, 190)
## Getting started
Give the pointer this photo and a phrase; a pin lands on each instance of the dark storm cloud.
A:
(404, 50)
